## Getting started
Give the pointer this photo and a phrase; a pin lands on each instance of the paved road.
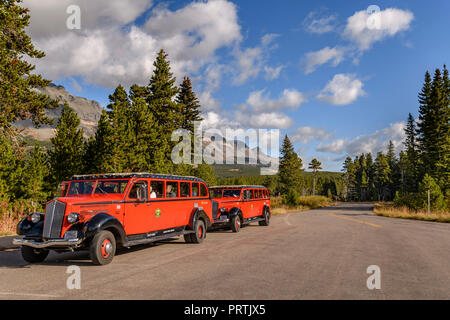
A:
(318, 254)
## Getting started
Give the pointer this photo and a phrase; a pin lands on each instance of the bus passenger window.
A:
(203, 191)
(156, 189)
(184, 189)
(171, 189)
(195, 190)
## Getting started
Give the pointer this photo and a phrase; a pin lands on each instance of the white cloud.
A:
(342, 89)
(365, 29)
(320, 22)
(251, 61)
(320, 57)
(373, 143)
(308, 134)
(264, 120)
(336, 147)
(289, 98)
(208, 102)
(48, 17)
(106, 51)
(272, 73)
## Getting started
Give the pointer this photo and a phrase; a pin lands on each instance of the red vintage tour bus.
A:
(239, 205)
(104, 211)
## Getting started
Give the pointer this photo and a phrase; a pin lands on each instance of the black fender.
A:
(266, 207)
(103, 221)
(234, 211)
(199, 213)
(28, 228)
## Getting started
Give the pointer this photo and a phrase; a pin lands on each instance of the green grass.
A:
(392, 211)
(305, 203)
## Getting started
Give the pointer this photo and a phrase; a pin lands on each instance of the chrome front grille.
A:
(54, 217)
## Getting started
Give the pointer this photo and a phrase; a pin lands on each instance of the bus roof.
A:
(133, 175)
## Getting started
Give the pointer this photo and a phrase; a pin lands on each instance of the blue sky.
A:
(319, 71)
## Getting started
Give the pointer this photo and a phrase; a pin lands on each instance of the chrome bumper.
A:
(48, 243)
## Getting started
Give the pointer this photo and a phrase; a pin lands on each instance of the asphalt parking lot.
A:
(317, 254)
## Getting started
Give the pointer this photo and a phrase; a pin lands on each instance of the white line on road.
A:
(28, 294)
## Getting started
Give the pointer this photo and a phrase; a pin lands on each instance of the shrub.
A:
(291, 199)
(314, 201)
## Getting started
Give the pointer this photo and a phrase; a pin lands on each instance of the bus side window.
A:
(171, 189)
(251, 194)
(156, 189)
(195, 189)
(203, 190)
(184, 189)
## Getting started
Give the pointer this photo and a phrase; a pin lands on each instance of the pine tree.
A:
(190, 105)
(32, 178)
(122, 131)
(349, 179)
(433, 127)
(205, 172)
(382, 175)
(98, 148)
(66, 153)
(314, 165)
(11, 166)
(411, 165)
(147, 138)
(290, 167)
(161, 99)
(18, 99)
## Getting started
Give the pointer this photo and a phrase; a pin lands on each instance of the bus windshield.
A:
(110, 186)
(102, 187)
(216, 193)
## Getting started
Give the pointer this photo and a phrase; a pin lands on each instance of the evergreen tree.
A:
(161, 99)
(349, 179)
(290, 167)
(190, 106)
(315, 165)
(98, 149)
(32, 178)
(205, 172)
(433, 127)
(147, 137)
(11, 166)
(66, 153)
(122, 132)
(18, 99)
(411, 169)
(382, 175)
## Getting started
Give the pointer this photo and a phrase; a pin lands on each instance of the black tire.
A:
(99, 250)
(200, 232)
(236, 223)
(187, 238)
(266, 220)
(33, 255)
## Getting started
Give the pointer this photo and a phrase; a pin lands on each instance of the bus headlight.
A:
(35, 217)
(73, 217)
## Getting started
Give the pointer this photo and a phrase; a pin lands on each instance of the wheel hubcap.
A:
(200, 232)
(106, 248)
